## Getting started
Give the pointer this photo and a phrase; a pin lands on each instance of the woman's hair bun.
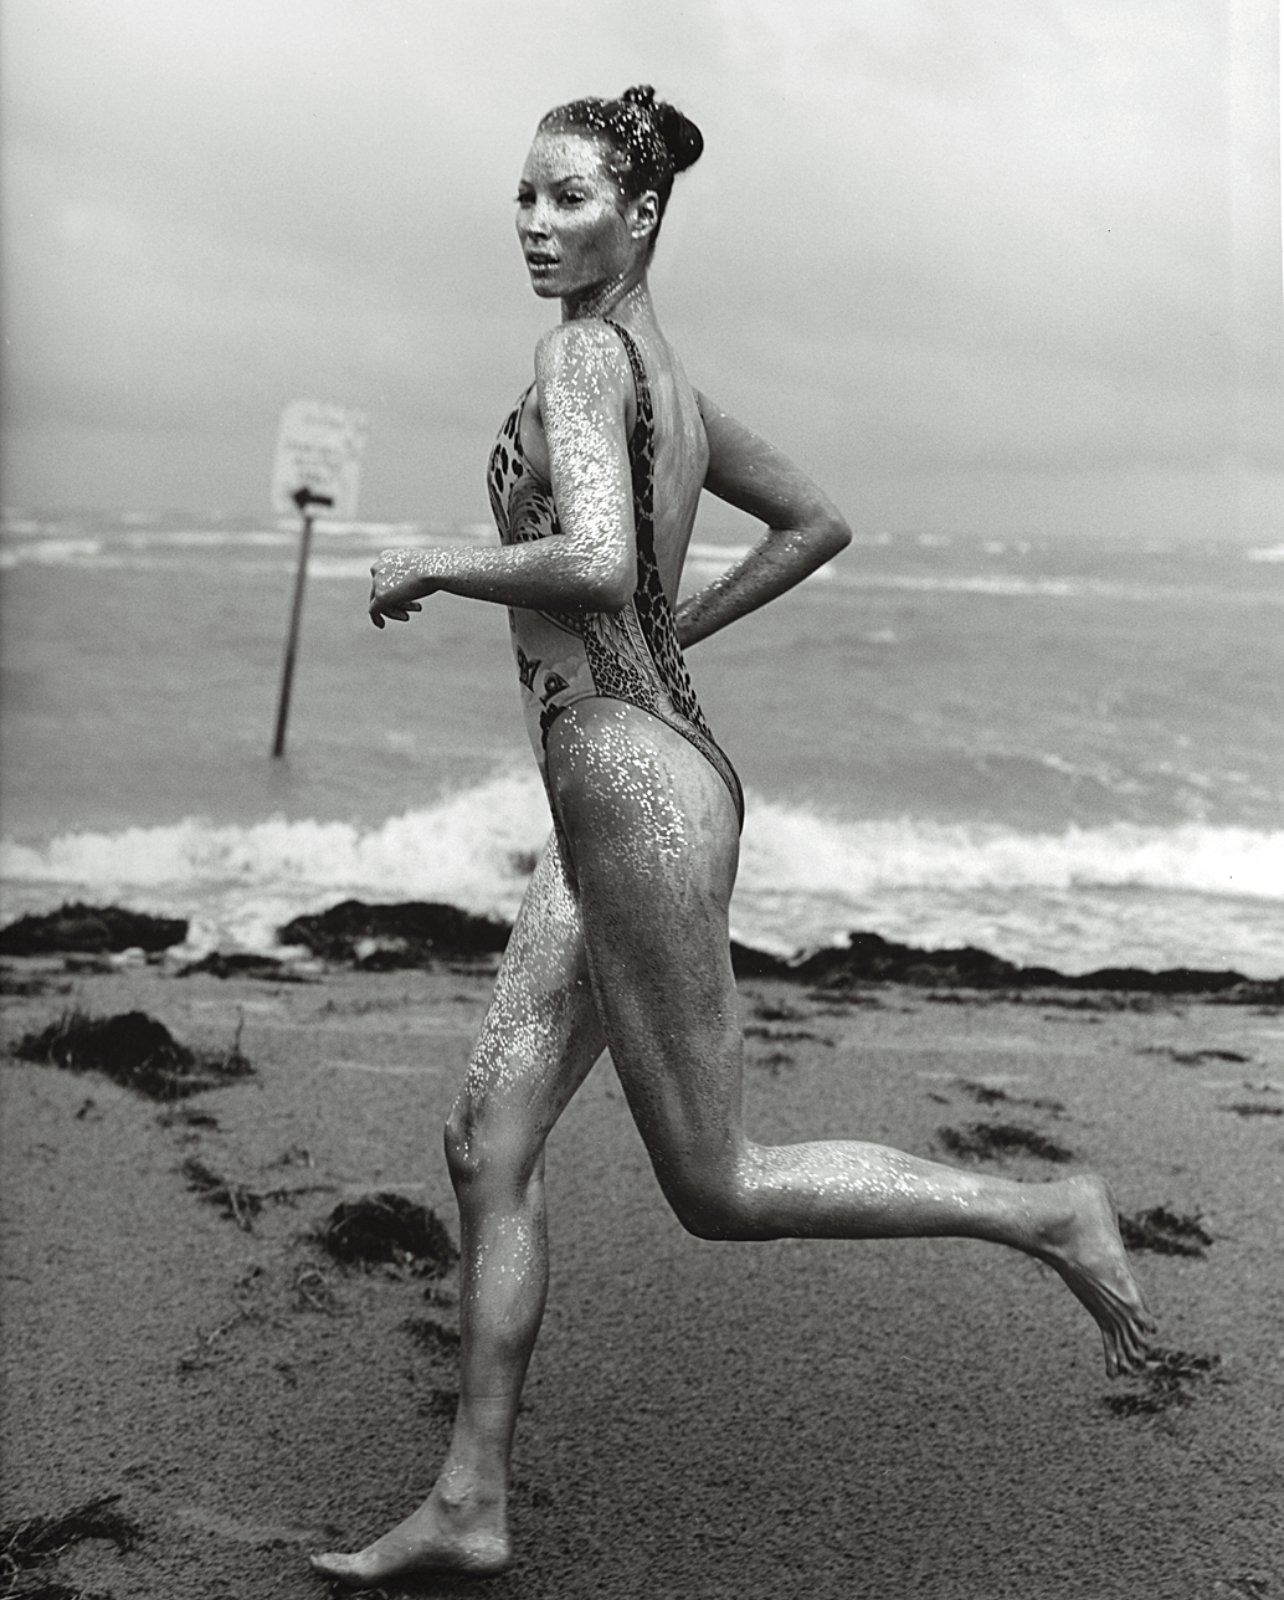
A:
(682, 139)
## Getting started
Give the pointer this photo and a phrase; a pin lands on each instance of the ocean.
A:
(1067, 751)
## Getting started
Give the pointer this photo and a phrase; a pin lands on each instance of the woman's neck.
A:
(626, 299)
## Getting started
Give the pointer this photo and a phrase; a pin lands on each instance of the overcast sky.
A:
(976, 263)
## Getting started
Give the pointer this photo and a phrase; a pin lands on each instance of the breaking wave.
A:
(806, 877)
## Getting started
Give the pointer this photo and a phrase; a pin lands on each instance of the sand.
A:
(924, 1418)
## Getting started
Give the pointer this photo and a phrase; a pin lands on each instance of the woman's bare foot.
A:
(467, 1538)
(1078, 1234)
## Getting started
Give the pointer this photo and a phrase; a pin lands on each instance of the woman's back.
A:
(681, 448)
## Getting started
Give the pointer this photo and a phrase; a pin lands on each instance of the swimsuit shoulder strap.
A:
(643, 440)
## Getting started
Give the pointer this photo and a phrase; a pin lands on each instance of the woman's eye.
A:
(572, 197)
(524, 199)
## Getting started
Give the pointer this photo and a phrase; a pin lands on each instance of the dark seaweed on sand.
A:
(388, 1229)
(776, 1061)
(242, 965)
(1254, 1108)
(754, 1030)
(1167, 1380)
(92, 930)
(27, 1547)
(988, 1095)
(238, 1203)
(1165, 1232)
(1192, 1058)
(134, 1050)
(777, 1011)
(413, 933)
(991, 1141)
(869, 958)
(186, 1117)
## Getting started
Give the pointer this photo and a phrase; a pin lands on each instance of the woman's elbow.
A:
(611, 597)
(832, 535)
(610, 588)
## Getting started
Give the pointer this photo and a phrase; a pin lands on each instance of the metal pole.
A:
(304, 498)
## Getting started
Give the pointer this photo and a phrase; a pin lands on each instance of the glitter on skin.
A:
(623, 935)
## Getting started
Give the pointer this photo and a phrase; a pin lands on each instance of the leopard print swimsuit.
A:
(631, 654)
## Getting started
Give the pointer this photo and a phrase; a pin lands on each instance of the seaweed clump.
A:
(989, 1095)
(777, 1011)
(90, 930)
(135, 1051)
(1167, 1381)
(991, 1141)
(869, 958)
(242, 964)
(1165, 1232)
(388, 1230)
(1192, 1058)
(414, 933)
(27, 1548)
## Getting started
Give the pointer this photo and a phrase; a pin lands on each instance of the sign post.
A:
(318, 457)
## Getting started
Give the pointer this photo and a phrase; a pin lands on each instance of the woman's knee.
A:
(714, 1201)
(487, 1145)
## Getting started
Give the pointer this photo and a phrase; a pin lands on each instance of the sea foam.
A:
(806, 877)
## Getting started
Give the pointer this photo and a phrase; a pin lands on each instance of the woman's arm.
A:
(583, 380)
(804, 528)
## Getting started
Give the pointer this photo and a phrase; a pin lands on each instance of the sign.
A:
(318, 459)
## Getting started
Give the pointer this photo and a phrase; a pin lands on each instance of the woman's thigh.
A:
(541, 1033)
(654, 842)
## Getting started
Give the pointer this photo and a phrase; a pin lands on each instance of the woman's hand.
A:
(399, 584)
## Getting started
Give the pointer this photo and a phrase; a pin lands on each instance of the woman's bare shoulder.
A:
(573, 352)
(583, 382)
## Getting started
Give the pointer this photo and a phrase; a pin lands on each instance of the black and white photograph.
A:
(641, 800)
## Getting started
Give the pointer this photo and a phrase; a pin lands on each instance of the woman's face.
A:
(574, 227)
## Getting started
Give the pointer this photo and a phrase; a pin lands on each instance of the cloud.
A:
(923, 234)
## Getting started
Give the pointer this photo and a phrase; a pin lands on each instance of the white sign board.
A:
(319, 450)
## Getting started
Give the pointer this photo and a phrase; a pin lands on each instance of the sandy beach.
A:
(925, 1418)
(914, 369)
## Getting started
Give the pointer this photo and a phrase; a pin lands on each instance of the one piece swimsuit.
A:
(564, 657)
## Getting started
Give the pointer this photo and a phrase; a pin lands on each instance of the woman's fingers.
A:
(397, 613)
(379, 608)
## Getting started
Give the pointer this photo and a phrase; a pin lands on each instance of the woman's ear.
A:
(644, 217)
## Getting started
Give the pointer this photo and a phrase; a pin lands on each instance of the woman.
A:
(622, 939)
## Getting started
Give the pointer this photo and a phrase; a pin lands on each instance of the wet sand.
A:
(923, 1418)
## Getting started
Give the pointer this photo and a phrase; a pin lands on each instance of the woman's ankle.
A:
(465, 1490)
